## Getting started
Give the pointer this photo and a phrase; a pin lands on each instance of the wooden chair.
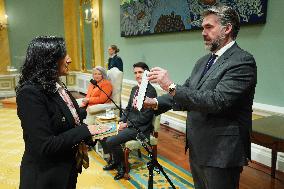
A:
(269, 132)
(135, 145)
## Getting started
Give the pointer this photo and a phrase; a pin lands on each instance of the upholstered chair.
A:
(135, 145)
(115, 76)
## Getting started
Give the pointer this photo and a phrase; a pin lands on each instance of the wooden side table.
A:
(269, 132)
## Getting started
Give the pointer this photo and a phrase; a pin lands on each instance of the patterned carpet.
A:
(12, 146)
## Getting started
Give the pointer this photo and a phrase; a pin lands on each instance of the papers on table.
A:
(103, 117)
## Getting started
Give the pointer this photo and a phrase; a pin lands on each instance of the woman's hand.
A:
(85, 100)
(94, 129)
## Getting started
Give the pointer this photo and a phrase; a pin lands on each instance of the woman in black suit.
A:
(114, 60)
(51, 120)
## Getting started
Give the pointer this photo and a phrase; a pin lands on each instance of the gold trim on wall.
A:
(4, 44)
(82, 38)
(71, 80)
(7, 83)
(98, 34)
(71, 33)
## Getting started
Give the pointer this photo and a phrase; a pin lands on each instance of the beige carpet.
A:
(11, 150)
(12, 146)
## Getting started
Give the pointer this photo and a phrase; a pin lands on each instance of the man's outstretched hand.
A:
(150, 103)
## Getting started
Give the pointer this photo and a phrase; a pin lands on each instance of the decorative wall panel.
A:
(144, 17)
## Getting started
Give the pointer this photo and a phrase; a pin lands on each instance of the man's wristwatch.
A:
(172, 88)
(157, 104)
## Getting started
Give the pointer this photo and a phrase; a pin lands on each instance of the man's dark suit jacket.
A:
(50, 138)
(219, 107)
(142, 119)
(115, 62)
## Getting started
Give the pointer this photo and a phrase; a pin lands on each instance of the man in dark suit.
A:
(218, 98)
(141, 119)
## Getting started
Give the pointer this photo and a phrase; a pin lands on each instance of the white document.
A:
(142, 90)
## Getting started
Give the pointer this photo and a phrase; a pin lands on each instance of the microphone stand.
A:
(153, 164)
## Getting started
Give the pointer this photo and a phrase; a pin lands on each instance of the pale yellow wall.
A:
(71, 33)
(98, 34)
(4, 44)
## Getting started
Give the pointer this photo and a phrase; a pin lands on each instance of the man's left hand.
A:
(150, 103)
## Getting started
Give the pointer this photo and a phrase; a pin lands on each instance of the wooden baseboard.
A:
(262, 167)
(172, 130)
(181, 136)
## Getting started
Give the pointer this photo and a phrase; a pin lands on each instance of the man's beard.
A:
(216, 43)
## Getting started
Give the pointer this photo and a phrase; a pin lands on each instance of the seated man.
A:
(142, 119)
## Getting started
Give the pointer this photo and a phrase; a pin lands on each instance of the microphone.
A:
(153, 164)
(140, 136)
(94, 82)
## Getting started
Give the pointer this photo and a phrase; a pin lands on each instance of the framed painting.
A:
(145, 17)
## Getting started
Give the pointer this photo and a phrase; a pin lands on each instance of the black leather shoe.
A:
(108, 160)
(119, 176)
(110, 166)
(120, 172)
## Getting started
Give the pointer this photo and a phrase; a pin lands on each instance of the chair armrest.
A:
(99, 108)
(79, 101)
(156, 123)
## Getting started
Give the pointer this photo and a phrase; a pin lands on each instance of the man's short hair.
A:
(227, 15)
(142, 65)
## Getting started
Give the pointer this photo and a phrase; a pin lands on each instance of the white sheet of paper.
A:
(142, 90)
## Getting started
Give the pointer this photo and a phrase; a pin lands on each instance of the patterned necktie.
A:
(134, 102)
(209, 63)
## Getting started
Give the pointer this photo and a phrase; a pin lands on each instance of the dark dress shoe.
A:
(108, 160)
(119, 176)
(110, 166)
(120, 172)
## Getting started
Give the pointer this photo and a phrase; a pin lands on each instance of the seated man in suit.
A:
(142, 119)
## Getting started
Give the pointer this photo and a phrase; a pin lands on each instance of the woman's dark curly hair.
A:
(40, 66)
